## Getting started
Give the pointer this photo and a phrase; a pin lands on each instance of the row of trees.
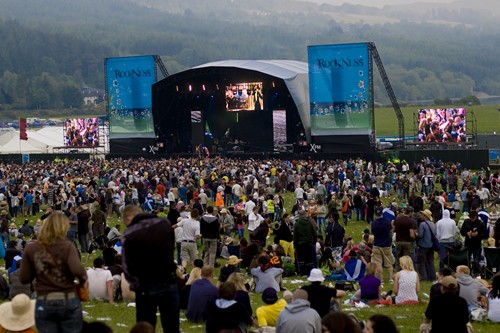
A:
(49, 51)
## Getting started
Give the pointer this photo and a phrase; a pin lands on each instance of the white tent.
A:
(39, 141)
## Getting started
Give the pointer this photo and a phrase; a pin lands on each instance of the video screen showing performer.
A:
(82, 132)
(442, 125)
(244, 97)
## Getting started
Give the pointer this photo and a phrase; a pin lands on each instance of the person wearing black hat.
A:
(474, 232)
(267, 314)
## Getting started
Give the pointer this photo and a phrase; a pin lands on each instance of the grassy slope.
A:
(408, 318)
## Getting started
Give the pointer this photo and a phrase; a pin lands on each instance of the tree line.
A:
(47, 56)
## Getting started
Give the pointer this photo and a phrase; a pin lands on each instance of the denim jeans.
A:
(58, 316)
(162, 296)
(84, 244)
(320, 220)
(443, 251)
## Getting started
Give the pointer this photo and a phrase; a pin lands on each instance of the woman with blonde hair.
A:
(406, 282)
(241, 290)
(53, 260)
(186, 289)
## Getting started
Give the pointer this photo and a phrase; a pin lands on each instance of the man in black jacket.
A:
(149, 267)
(210, 231)
(285, 236)
(474, 232)
(335, 233)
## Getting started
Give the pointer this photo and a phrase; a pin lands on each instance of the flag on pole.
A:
(23, 135)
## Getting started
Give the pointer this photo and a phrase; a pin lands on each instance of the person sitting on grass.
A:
(267, 314)
(242, 295)
(494, 300)
(406, 283)
(322, 298)
(447, 312)
(265, 275)
(226, 314)
(329, 267)
(369, 286)
(231, 267)
(354, 268)
(202, 295)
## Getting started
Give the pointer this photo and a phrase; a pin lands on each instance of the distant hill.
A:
(50, 48)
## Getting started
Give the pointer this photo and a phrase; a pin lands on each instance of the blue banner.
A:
(129, 82)
(340, 89)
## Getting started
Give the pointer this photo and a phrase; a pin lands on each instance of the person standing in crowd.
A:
(152, 277)
(425, 252)
(190, 235)
(405, 228)
(254, 220)
(285, 236)
(382, 245)
(474, 232)
(83, 216)
(53, 261)
(304, 240)
(446, 228)
(209, 229)
(334, 236)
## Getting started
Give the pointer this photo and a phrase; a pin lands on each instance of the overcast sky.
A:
(378, 3)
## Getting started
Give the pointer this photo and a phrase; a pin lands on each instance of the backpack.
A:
(345, 207)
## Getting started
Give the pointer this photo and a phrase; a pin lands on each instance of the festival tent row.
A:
(42, 140)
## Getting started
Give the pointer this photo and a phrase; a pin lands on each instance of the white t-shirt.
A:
(97, 278)
(299, 193)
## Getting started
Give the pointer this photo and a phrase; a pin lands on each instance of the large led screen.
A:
(81, 132)
(244, 97)
(442, 125)
(340, 89)
(129, 82)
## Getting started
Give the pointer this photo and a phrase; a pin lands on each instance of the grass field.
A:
(120, 317)
(386, 123)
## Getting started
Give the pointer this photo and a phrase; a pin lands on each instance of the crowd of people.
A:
(230, 217)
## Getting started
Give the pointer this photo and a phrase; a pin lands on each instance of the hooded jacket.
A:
(298, 317)
(209, 227)
(304, 232)
(470, 289)
(446, 228)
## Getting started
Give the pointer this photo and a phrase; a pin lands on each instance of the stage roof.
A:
(293, 73)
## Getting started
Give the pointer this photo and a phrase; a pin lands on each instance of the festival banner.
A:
(340, 81)
(129, 83)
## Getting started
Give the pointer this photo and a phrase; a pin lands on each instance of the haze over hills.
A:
(430, 49)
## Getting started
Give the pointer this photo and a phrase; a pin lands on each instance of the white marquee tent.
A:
(41, 140)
